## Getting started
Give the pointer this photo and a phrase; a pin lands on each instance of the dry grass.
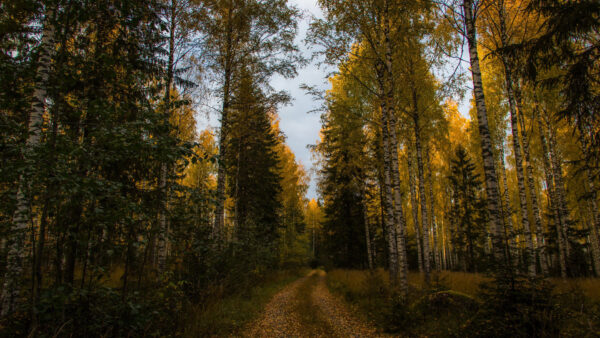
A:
(573, 312)
(354, 281)
(590, 287)
(463, 282)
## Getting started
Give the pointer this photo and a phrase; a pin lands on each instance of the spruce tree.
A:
(465, 187)
(254, 180)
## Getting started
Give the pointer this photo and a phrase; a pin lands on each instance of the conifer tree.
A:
(465, 188)
(253, 163)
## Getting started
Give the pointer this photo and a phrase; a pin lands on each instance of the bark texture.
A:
(415, 209)
(530, 253)
(163, 230)
(563, 210)
(393, 149)
(491, 178)
(16, 254)
(367, 230)
(432, 223)
(389, 202)
(422, 198)
(219, 223)
(510, 229)
(551, 191)
(595, 218)
(539, 228)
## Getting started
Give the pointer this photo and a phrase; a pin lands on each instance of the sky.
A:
(298, 123)
(301, 127)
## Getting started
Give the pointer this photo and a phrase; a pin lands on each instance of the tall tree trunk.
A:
(592, 204)
(398, 212)
(422, 194)
(530, 253)
(389, 220)
(509, 221)
(366, 220)
(16, 254)
(415, 208)
(560, 192)
(551, 191)
(219, 223)
(164, 171)
(432, 223)
(541, 250)
(389, 203)
(161, 248)
(383, 204)
(491, 178)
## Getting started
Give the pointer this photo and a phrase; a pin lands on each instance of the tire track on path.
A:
(306, 308)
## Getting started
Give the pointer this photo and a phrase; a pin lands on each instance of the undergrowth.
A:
(229, 315)
(471, 305)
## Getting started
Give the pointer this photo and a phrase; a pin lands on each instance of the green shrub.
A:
(515, 306)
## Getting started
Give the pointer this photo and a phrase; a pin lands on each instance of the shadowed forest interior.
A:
(121, 214)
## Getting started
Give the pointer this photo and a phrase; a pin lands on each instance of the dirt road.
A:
(306, 308)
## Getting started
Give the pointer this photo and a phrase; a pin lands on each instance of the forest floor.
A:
(306, 308)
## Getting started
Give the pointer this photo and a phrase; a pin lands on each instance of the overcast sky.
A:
(300, 127)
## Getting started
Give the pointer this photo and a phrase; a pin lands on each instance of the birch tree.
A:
(465, 14)
(501, 26)
(372, 26)
(16, 255)
(553, 199)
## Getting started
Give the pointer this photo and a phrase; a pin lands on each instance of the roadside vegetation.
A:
(459, 304)
(230, 315)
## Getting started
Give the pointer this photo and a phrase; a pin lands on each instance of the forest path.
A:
(306, 308)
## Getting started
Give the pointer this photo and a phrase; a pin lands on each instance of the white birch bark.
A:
(164, 171)
(491, 178)
(509, 221)
(219, 223)
(550, 190)
(529, 252)
(367, 230)
(541, 250)
(593, 236)
(389, 203)
(415, 209)
(15, 257)
(422, 198)
(393, 148)
(556, 163)
(432, 225)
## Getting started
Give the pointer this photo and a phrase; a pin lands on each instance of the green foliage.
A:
(254, 180)
(99, 312)
(431, 311)
(514, 306)
(505, 306)
(229, 314)
(468, 211)
(343, 174)
(569, 41)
